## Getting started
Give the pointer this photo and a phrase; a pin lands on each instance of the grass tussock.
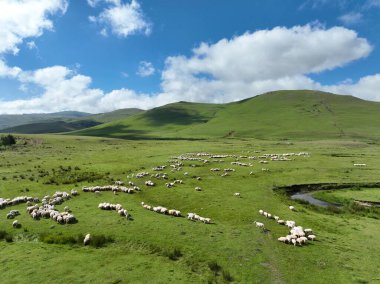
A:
(97, 241)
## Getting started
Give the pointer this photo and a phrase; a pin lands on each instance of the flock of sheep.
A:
(297, 235)
(117, 207)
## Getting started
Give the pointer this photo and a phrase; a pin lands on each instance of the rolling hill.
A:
(300, 114)
(11, 120)
(62, 124)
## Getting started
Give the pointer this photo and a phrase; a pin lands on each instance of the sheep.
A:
(16, 224)
(311, 237)
(290, 224)
(265, 214)
(292, 208)
(303, 240)
(149, 183)
(283, 239)
(261, 212)
(190, 216)
(87, 239)
(67, 209)
(198, 188)
(237, 194)
(281, 222)
(259, 225)
(276, 218)
(308, 231)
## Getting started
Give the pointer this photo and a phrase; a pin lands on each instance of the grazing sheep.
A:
(259, 225)
(276, 218)
(16, 224)
(283, 239)
(308, 231)
(292, 208)
(281, 222)
(198, 188)
(237, 194)
(87, 239)
(311, 237)
(190, 216)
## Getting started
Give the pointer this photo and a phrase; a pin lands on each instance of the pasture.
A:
(157, 248)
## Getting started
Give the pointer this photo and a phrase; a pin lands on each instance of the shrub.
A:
(7, 140)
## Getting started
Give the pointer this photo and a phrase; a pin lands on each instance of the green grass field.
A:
(232, 248)
(369, 194)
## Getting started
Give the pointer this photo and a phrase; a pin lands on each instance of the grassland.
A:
(154, 248)
(341, 196)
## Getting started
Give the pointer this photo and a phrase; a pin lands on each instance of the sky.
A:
(100, 55)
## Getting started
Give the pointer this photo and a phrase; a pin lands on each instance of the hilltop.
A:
(300, 114)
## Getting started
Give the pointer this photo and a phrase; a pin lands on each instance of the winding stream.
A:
(312, 200)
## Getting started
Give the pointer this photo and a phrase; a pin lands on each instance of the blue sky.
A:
(100, 55)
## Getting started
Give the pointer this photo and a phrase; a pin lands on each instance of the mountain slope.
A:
(281, 115)
(70, 124)
(11, 120)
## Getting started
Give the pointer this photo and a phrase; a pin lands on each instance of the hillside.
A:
(11, 120)
(278, 115)
(69, 123)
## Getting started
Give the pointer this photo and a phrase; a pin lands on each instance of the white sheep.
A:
(292, 208)
(237, 194)
(261, 212)
(283, 239)
(311, 237)
(87, 239)
(259, 225)
(16, 224)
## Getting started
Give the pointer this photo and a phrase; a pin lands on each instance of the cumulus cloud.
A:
(145, 69)
(351, 18)
(261, 61)
(25, 18)
(122, 19)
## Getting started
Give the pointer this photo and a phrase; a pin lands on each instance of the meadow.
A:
(155, 248)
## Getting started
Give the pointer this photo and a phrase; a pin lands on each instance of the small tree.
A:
(8, 140)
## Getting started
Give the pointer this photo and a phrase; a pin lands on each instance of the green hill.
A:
(11, 120)
(279, 115)
(68, 124)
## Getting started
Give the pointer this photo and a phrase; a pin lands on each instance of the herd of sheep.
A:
(47, 209)
(297, 234)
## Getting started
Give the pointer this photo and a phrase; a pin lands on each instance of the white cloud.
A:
(351, 18)
(25, 18)
(261, 61)
(366, 88)
(122, 19)
(31, 45)
(372, 4)
(145, 69)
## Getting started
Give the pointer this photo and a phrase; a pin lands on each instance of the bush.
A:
(7, 140)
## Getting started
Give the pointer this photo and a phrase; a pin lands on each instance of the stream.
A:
(312, 200)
